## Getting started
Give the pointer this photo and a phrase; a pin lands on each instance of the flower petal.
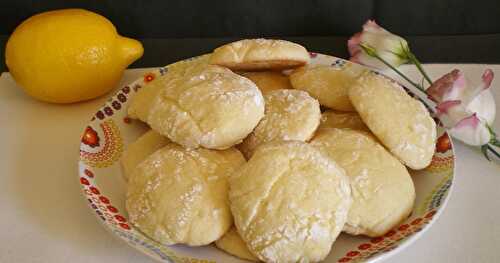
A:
(353, 44)
(371, 25)
(475, 100)
(387, 45)
(444, 107)
(487, 78)
(454, 86)
(484, 106)
(472, 91)
(471, 130)
(451, 112)
(445, 85)
(393, 59)
(365, 59)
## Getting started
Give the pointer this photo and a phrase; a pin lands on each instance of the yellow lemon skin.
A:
(68, 55)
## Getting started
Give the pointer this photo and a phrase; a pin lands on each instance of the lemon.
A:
(68, 55)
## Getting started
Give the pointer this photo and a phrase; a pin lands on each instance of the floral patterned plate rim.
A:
(110, 131)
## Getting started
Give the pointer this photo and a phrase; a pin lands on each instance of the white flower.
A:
(465, 109)
(388, 46)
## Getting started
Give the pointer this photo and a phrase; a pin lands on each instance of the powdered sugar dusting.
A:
(169, 190)
(187, 109)
(289, 115)
(281, 235)
(401, 123)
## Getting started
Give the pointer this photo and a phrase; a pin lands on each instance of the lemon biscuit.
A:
(260, 54)
(179, 196)
(268, 80)
(142, 101)
(400, 122)
(289, 202)
(139, 150)
(232, 243)
(213, 108)
(289, 115)
(334, 119)
(327, 83)
(382, 189)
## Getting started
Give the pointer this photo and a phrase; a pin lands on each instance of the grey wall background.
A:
(438, 30)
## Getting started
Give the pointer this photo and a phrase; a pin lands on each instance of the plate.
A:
(110, 131)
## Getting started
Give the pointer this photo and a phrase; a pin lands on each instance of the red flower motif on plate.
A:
(94, 190)
(120, 218)
(89, 173)
(377, 240)
(90, 137)
(149, 77)
(352, 253)
(104, 199)
(443, 143)
(125, 226)
(84, 181)
(364, 246)
(112, 209)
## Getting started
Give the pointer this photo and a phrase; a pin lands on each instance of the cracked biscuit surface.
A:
(289, 202)
(401, 123)
(179, 196)
(211, 107)
(260, 54)
(140, 149)
(142, 101)
(382, 189)
(289, 115)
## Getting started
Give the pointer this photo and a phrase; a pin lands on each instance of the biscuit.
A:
(268, 80)
(260, 54)
(289, 202)
(141, 103)
(382, 189)
(179, 196)
(401, 123)
(212, 107)
(232, 243)
(328, 84)
(289, 115)
(139, 150)
(333, 119)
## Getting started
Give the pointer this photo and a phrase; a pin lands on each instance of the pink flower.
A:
(388, 46)
(465, 109)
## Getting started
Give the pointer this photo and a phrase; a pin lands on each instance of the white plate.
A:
(110, 131)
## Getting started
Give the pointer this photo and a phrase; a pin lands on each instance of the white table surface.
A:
(44, 218)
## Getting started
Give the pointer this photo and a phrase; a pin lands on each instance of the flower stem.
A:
(371, 52)
(400, 73)
(413, 59)
(493, 136)
(484, 150)
(491, 149)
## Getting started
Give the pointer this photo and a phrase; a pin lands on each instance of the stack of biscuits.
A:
(271, 157)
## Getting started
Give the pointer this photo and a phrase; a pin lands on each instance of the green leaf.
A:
(493, 140)
(368, 50)
(484, 150)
